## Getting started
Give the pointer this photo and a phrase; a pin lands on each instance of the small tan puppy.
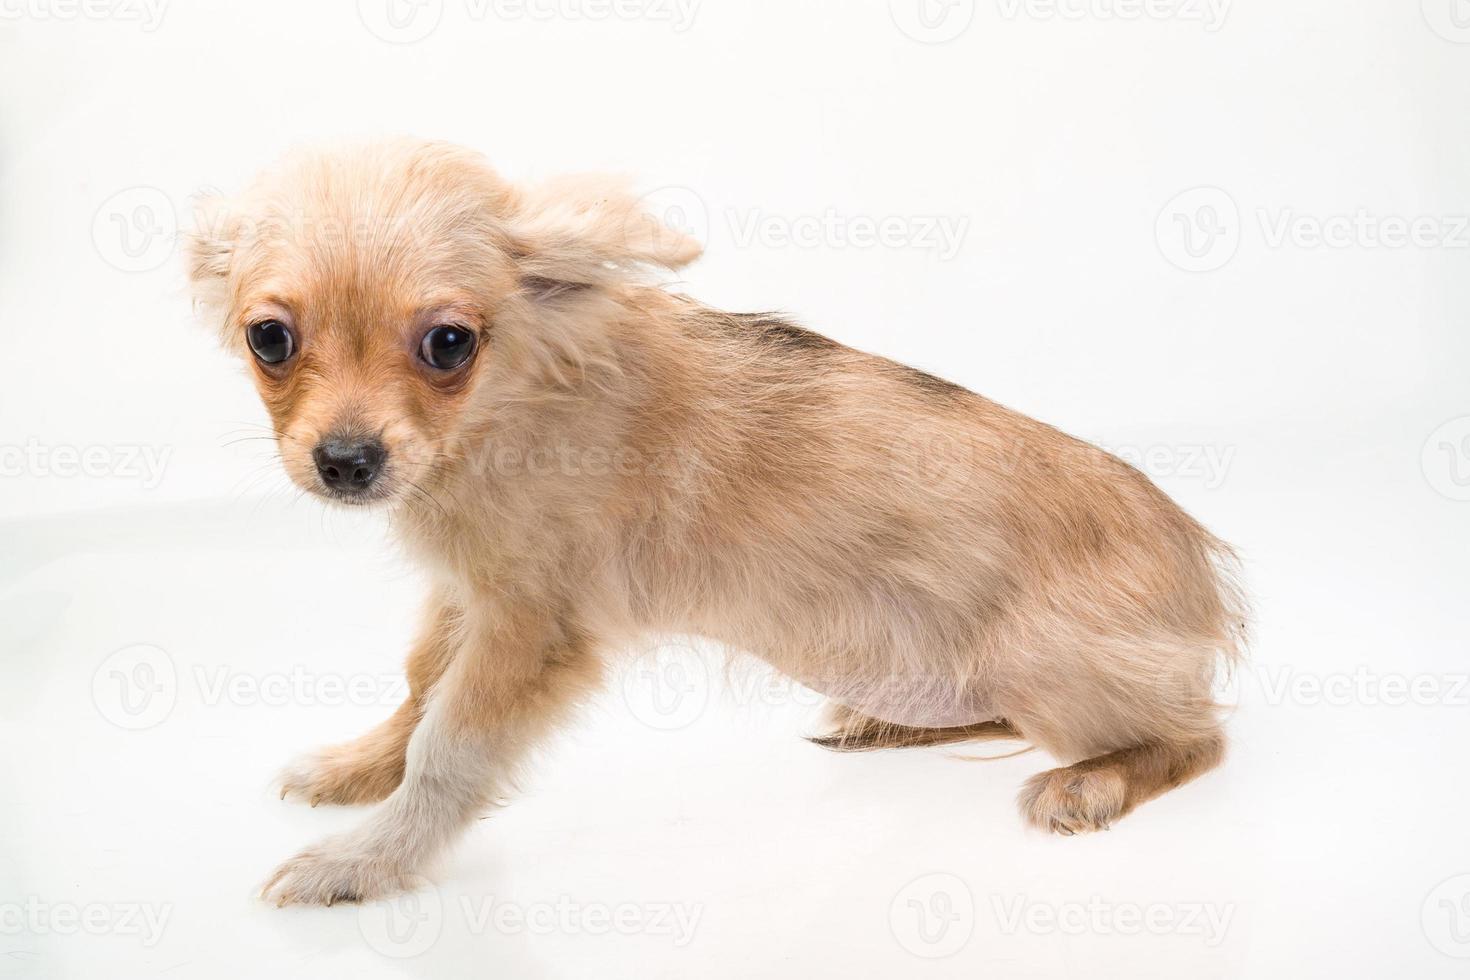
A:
(583, 460)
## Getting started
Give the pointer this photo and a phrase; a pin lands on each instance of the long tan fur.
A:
(617, 461)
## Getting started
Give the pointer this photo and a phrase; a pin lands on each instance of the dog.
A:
(583, 459)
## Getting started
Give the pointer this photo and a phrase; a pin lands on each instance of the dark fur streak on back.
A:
(770, 328)
(930, 384)
(791, 336)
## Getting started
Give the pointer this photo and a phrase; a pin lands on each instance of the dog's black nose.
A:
(347, 465)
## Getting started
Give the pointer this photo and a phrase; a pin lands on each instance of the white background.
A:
(1227, 240)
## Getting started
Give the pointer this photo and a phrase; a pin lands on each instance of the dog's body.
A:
(614, 462)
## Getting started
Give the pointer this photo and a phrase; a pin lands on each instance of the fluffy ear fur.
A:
(577, 245)
(573, 245)
(208, 249)
(576, 232)
(564, 235)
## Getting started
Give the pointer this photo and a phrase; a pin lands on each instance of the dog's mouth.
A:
(380, 493)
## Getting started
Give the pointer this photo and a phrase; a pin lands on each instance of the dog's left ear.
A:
(579, 232)
(208, 250)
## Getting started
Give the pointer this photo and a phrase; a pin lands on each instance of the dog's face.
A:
(364, 382)
(375, 292)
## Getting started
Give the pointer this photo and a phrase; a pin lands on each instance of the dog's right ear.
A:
(573, 243)
(579, 232)
(209, 249)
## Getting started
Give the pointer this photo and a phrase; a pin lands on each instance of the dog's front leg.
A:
(368, 769)
(514, 673)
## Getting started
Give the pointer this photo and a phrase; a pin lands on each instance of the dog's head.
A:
(382, 294)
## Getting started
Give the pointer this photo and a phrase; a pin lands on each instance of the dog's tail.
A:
(855, 732)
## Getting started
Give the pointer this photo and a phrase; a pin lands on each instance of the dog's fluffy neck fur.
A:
(539, 420)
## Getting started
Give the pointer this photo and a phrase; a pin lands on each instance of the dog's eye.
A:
(270, 340)
(447, 347)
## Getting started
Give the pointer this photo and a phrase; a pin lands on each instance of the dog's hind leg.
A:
(1091, 794)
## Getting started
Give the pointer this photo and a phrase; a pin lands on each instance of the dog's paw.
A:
(1066, 801)
(335, 870)
(342, 776)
